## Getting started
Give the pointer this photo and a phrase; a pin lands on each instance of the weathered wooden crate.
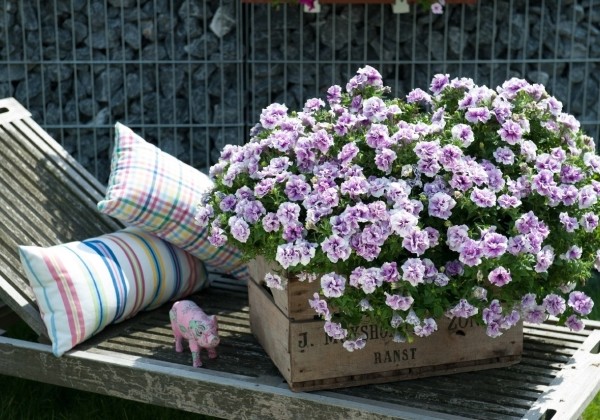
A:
(308, 359)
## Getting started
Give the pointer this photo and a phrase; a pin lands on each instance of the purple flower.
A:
(471, 252)
(239, 228)
(251, 211)
(581, 303)
(292, 231)
(413, 271)
(287, 255)
(288, 213)
(454, 268)
(374, 109)
(574, 323)
(569, 223)
(389, 272)
(544, 259)
(463, 309)
(320, 306)
(499, 276)
(483, 197)
(440, 205)
(478, 115)
(365, 305)
(333, 285)
(203, 215)
(334, 94)
(418, 95)
(535, 314)
(348, 152)
(417, 241)
(456, 237)
(272, 115)
(450, 156)
(356, 344)
(511, 132)
(504, 155)
(335, 330)
(508, 201)
(589, 222)
(428, 327)
(313, 104)
(494, 245)
(573, 253)
(296, 188)
(463, 133)
(528, 150)
(439, 82)
(384, 158)
(270, 222)
(336, 248)
(274, 281)
(402, 222)
(587, 197)
(264, 187)
(355, 186)
(217, 237)
(555, 305)
(398, 302)
(428, 150)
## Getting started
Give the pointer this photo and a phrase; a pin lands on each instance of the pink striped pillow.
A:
(155, 191)
(81, 287)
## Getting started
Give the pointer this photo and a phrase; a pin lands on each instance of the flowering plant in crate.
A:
(462, 202)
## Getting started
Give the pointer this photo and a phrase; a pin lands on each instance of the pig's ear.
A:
(213, 319)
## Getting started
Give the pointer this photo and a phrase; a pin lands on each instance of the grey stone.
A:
(191, 27)
(107, 82)
(201, 110)
(31, 86)
(78, 29)
(133, 85)
(203, 72)
(202, 47)
(57, 72)
(457, 41)
(540, 77)
(132, 36)
(29, 16)
(171, 80)
(195, 8)
(223, 21)
(577, 72)
(12, 72)
(122, 3)
(87, 107)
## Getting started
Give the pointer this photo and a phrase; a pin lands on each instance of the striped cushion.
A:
(155, 191)
(81, 287)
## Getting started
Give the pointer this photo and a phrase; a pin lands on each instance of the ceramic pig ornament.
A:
(200, 330)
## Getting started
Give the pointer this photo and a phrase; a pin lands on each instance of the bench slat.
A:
(46, 198)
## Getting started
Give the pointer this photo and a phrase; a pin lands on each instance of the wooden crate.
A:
(308, 359)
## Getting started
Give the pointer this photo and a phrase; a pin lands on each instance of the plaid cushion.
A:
(81, 287)
(155, 191)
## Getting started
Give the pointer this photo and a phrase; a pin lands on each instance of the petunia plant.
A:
(463, 201)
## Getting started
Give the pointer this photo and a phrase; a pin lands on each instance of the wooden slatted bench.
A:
(47, 198)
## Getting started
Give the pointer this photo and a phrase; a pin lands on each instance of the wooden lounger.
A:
(47, 198)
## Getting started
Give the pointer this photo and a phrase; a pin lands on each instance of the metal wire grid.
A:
(81, 66)
(191, 105)
(489, 42)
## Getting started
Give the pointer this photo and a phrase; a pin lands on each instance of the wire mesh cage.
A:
(193, 75)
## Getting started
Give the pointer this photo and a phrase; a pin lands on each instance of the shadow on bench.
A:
(47, 198)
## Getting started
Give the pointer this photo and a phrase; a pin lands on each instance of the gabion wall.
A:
(193, 75)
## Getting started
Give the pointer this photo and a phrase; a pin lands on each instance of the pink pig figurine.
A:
(190, 322)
